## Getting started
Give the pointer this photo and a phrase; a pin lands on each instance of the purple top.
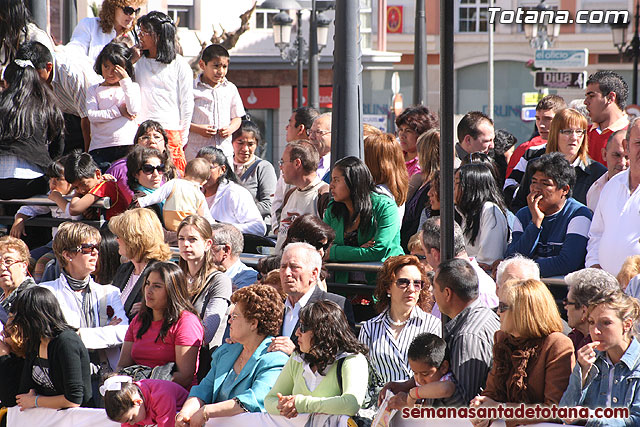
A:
(119, 170)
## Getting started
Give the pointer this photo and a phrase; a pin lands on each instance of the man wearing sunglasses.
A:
(299, 274)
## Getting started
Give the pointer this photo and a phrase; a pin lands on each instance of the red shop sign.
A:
(263, 98)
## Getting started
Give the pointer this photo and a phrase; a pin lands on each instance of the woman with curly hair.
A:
(328, 370)
(389, 335)
(116, 20)
(166, 329)
(243, 372)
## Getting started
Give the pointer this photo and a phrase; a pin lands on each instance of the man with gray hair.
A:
(430, 239)
(583, 286)
(517, 267)
(615, 227)
(228, 244)
(299, 274)
(320, 137)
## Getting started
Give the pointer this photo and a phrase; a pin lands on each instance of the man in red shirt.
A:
(545, 112)
(605, 100)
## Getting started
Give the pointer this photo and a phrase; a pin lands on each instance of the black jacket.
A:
(68, 369)
(120, 280)
(320, 295)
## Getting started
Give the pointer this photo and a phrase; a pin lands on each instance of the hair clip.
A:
(24, 63)
(115, 383)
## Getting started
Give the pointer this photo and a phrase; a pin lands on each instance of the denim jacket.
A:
(626, 387)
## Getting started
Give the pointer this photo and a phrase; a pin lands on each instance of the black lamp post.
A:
(297, 51)
(631, 49)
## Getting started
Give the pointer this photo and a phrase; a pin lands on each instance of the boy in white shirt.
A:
(182, 197)
(218, 108)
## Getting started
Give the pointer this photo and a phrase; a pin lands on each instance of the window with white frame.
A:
(264, 18)
(530, 5)
(597, 5)
(472, 16)
(366, 22)
(182, 13)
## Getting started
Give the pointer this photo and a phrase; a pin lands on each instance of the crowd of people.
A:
(116, 319)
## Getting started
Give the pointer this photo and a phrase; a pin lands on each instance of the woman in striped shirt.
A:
(389, 334)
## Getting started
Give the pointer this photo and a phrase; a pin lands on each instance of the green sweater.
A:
(384, 229)
(326, 397)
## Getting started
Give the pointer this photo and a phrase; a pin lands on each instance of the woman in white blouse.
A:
(229, 201)
(388, 335)
(166, 82)
(480, 202)
(116, 20)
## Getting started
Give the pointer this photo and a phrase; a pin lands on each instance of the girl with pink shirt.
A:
(112, 106)
(166, 330)
(142, 403)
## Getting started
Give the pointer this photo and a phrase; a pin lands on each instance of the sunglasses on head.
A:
(128, 10)
(148, 169)
(88, 248)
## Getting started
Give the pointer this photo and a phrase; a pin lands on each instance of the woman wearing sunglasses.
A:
(567, 135)
(85, 303)
(401, 283)
(117, 20)
(532, 358)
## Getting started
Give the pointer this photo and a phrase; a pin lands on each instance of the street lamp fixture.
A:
(630, 49)
(282, 30)
(542, 35)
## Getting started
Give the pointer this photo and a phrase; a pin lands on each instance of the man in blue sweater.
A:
(553, 228)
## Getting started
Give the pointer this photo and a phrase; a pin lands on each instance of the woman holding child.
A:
(229, 201)
(389, 335)
(532, 358)
(608, 370)
(243, 372)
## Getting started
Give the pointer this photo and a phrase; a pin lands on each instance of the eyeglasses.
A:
(405, 130)
(128, 10)
(568, 132)
(143, 33)
(303, 328)
(318, 132)
(566, 302)
(282, 162)
(151, 138)
(88, 248)
(502, 307)
(148, 169)
(403, 283)
(7, 263)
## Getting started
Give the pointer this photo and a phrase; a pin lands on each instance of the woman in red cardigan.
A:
(532, 358)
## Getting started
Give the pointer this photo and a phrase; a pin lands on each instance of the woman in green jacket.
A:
(366, 222)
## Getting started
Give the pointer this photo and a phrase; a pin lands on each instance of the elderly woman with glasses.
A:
(243, 372)
(14, 274)
(94, 309)
(532, 358)
(388, 336)
(117, 20)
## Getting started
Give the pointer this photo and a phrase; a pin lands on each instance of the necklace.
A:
(394, 323)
